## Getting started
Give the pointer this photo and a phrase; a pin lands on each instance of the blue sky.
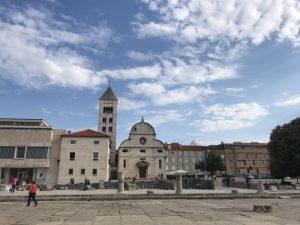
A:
(207, 71)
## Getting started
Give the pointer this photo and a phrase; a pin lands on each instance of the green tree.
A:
(214, 163)
(284, 149)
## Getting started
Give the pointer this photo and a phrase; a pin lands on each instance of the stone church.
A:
(142, 155)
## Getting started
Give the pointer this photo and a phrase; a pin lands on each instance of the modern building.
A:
(107, 124)
(84, 154)
(30, 150)
(142, 155)
(247, 158)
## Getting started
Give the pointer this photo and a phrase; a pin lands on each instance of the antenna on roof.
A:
(142, 118)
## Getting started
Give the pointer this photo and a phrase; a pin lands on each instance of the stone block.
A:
(150, 192)
(262, 208)
(234, 192)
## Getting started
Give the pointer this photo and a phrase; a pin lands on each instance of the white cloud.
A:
(289, 101)
(127, 104)
(159, 95)
(235, 20)
(33, 51)
(146, 72)
(235, 90)
(195, 72)
(157, 118)
(230, 117)
(139, 56)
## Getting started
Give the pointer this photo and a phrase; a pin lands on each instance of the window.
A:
(104, 120)
(37, 152)
(110, 120)
(95, 156)
(82, 171)
(73, 142)
(143, 140)
(159, 163)
(94, 171)
(124, 163)
(20, 153)
(173, 167)
(124, 150)
(110, 129)
(7, 152)
(103, 129)
(70, 171)
(96, 142)
(72, 156)
(143, 151)
(142, 158)
(108, 110)
(159, 151)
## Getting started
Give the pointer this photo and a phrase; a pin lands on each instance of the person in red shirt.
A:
(14, 184)
(32, 194)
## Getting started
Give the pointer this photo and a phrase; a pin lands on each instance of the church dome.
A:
(142, 128)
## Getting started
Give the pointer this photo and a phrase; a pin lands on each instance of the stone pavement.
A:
(150, 212)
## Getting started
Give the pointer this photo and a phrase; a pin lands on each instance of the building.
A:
(142, 155)
(30, 150)
(185, 157)
(84, 154)
(107, 124)
(247, 158)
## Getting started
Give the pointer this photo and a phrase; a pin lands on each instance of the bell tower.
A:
(107, 123)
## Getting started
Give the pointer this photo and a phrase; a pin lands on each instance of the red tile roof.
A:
(85, 133)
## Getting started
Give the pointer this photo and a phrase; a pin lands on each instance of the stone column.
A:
(179, 184)
(260, 187)
(120, 182)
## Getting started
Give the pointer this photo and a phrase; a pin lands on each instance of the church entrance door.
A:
(142, 172)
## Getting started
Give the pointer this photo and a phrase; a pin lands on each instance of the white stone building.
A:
(142, 155)
(84, 154)
(30, 150)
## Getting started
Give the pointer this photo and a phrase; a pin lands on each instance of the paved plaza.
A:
(146, 212)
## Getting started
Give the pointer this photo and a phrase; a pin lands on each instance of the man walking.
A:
(32, 194)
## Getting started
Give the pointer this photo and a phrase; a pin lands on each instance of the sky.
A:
(196, 70)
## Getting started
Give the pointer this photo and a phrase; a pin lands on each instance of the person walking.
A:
(32, 194)
(14, 182)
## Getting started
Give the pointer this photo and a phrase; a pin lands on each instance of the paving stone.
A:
(136, 220)
(107, 220)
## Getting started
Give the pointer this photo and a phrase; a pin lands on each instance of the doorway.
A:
(142, 172)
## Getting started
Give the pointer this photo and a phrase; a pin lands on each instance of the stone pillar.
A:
(120, 182)
(179, 184)
(260, 187)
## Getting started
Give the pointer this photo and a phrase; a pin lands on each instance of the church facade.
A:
(142, 156)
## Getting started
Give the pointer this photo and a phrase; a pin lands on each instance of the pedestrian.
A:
(14, 182)
(23, 184)
(248, 182)
(32, 194)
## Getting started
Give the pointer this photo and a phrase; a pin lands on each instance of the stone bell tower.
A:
(107, 123)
